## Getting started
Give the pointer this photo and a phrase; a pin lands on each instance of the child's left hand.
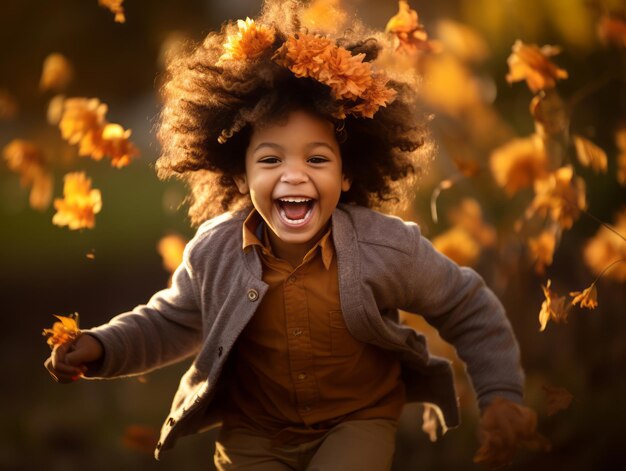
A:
(503, 428)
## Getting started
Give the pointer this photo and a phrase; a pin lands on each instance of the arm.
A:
(165, 330)
(467, 314)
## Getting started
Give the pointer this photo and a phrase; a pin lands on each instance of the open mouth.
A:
(295, 210)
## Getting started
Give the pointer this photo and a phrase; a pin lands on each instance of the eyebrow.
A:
(310, 145)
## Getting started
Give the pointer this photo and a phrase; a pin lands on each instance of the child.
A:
(290, 306)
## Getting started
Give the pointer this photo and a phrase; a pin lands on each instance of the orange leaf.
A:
(57, 73)
(557, 399)
(606, 247)
(64, 331)
(80, 203)
(542, 250)
(530, 63)
(504, 428)
(553, 308)
(115, 6)
(587, 298)
(590, 155)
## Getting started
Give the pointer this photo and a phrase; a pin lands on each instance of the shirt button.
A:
(292, 279)
(297, 332)
(253, 294)
(302, 376)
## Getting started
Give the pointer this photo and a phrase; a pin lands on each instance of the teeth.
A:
(296, 199)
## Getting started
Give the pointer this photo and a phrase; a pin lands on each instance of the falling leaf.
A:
(606, 248)
(57, 73)
(117, 145)
(462, 41)
(64, 331)
(325, 16)
(587, 298)
(432, 419)
(469, 216)
(140, 438)
(409, 34)
(519, 163)
(83, 122)
(80, 203)
(542, 250)
(612, 30)
(557, 399)
(590, 155)
(504, 428)
(458, 245)
(553, 308)
(171, 250)
(8, 105)
(531, 63)
(116, 7)
(26, 159)
(560, 196)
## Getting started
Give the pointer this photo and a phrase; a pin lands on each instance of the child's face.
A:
(294, 177)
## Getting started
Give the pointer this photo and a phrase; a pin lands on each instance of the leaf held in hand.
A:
(64, 331)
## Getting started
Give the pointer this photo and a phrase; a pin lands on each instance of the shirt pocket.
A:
(342, 343)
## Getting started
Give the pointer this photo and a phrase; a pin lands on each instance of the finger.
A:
(59, 376)
(59, 363)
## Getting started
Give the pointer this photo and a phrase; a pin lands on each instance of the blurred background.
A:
(46, 269)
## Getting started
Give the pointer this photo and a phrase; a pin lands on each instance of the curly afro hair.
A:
(204, 99)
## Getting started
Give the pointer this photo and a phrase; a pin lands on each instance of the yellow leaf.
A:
(553, 308)
(590, 155)
(80, 203)
(64, 331)
(587, 298)
(57, 73)
(529, 62)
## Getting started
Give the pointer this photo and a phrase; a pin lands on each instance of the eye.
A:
(318, 159)
(269, 160)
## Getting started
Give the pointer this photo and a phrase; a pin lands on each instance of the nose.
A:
(294, 175)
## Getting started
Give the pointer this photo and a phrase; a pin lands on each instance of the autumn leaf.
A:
(116, 7)
(57, 73)
(553, 308)
(457, 244)
(117, 145)
(606, 249)
(8, 105)
(531, 63)
(325, 16)
(26, 159)
(557, 399)
(590, 155)
(80, 203)
(587, 298)
(612, 30)
(171, 250)
(519, 163)
(64, 331)
(469, 216)
(410, 36)
(504, 428)
(140, 438)
(432, 419)
(560, 196)
(542, 250)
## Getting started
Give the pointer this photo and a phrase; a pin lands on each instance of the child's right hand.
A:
(67, 362)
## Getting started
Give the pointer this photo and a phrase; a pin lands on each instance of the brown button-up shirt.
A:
(298, 370)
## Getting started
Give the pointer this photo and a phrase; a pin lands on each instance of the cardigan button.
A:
(253, 294)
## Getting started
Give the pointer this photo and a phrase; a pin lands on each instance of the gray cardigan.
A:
(384, 264)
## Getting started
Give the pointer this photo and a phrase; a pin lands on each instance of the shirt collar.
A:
(255, 233)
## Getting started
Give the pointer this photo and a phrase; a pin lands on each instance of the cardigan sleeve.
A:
(468, 315)
(165, 330)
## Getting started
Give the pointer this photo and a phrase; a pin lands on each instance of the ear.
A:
(346, 183)
(242, 184)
